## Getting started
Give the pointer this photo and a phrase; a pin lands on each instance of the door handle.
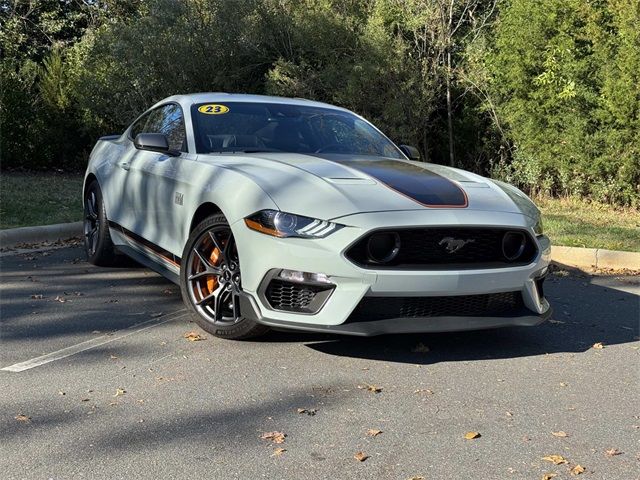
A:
(125, 165)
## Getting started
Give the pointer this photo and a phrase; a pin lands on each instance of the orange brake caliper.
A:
(212, 282)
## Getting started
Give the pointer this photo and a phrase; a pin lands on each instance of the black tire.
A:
(212, 298)
(97, 241)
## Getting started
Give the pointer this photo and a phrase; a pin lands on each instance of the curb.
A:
(595, 258)
(45, 233)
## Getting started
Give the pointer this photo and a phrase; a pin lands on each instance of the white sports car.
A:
(288, 213)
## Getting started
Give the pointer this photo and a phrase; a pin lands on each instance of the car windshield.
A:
(272, 127)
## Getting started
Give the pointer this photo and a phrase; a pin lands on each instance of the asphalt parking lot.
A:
(99, 381)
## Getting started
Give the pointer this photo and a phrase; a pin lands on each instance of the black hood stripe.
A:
(415, 182)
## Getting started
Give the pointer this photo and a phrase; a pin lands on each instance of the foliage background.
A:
(544, 94)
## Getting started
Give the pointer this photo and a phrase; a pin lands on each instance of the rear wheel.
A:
(211, 281)
(97, 241)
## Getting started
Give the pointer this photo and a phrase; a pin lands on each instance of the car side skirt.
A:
(147, 253)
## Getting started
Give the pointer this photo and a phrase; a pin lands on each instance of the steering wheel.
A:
(335, 147)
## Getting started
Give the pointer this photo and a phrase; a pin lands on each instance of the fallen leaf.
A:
(423, 390)
(193, 336)
(416, 477)
(61, 393)
(22, 418)
(472, 435)
(612, 452)
(113, 357)
(598, 346)
(370, 388)
(549, 476)
(420, 348)
(309, 411)
(372, 432)
(120, 392)
(560, 434)
(60, 299)
(275, 437)
(577, 470)
(361, 456)
(555, 459)
(563, 384)
(509, 414)
(278, 451)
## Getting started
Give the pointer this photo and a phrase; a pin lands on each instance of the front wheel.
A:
(211, 281)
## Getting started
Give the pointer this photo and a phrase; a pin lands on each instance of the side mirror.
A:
(411, 152)
(155, 142)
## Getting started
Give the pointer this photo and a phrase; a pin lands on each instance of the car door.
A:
(161, 181)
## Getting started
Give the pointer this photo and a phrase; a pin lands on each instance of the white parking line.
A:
(94, 342)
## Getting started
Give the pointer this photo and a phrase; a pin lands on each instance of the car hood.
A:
(330, 186)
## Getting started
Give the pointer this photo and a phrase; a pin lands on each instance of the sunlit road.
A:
(98, 381)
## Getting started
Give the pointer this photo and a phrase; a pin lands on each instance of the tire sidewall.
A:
(104, 253)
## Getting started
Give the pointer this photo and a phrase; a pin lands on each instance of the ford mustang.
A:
(279, 213)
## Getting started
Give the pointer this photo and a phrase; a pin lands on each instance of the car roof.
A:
(206, 97)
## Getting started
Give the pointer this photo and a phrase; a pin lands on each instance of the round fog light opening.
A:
(383, 247)
(513, 244)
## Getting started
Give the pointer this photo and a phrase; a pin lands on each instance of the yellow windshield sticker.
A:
(213, 109)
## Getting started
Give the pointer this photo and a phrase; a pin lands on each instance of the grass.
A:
(41, 199)
(580, 223)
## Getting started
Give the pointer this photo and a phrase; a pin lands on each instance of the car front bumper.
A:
(261, 255)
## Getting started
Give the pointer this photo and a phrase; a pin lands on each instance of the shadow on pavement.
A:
(584, 313)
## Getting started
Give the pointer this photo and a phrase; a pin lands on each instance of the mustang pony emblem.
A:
(454, 244)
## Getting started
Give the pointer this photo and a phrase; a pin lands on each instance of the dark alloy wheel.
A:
(97, 241)
(211, 281)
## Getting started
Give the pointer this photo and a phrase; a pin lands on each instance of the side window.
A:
(138, 126)
(172, 125)
(168, 120)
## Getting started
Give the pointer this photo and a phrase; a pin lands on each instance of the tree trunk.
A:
(449, 110)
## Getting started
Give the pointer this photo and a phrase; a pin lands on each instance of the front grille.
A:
(384, 308)
(296, 297)
(428, 248)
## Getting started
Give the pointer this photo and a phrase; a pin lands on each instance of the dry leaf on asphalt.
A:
(309, 411)
(361, 456)
(278, 451)
(193, 336)
(612, 452)
(549, 476)
(22, 418)
(372, 432)
(120, 392)
(560, 434)
(420, 348)
(577, 470)
(555, 459)
(370, 388)
(598, 346)
(424, 390)
(472, 435)
(275, 437)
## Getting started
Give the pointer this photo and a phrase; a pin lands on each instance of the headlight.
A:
(281, 224)
(537, 228)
